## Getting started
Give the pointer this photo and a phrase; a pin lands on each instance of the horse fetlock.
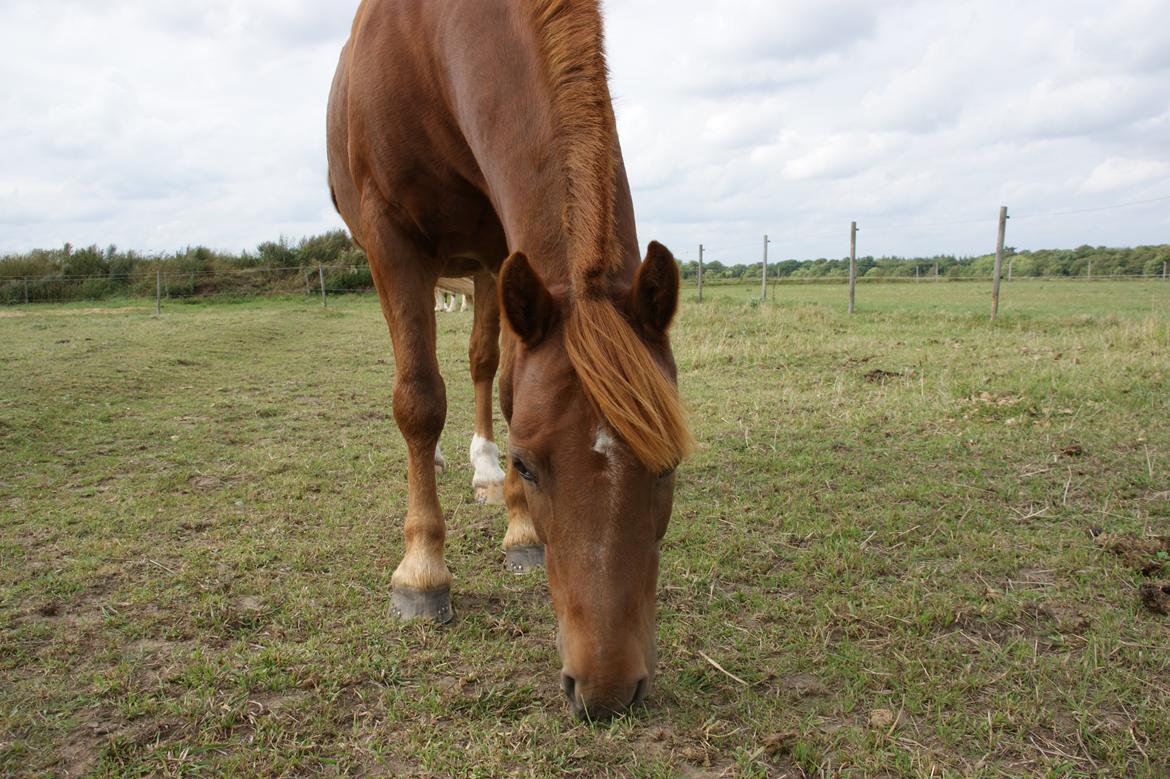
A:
(421, 570)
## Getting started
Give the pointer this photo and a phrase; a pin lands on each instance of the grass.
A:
(884, 533)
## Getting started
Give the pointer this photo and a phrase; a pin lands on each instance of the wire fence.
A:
(323, 282)
(162, 284)
(200, 273)
(754, 279)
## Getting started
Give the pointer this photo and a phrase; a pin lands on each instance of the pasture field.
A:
(883, 541)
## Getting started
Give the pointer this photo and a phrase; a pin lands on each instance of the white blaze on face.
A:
(604, 443)
(485, 458)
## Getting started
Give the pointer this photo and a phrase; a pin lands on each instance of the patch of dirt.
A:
(654, 743)
(1053, 624)
(274, 702)
(1073, 450)
(74, 617)
(153, 647)
(51, 609)
(801, 685)
(1146, 554)
(1156, 596)
(993, 399)
(994, 631)
(250, 603)
(1031, 578)
(205, 482)
(83, 747)
(80, 752)
(1065, 618)
(879, 376)
(208, 482)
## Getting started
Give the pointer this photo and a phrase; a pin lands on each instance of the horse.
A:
(461, 289)
(477, 139)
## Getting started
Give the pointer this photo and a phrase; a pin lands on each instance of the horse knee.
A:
(420, 409)
(484, 363)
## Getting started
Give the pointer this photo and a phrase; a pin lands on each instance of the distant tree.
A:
(324, 249)
(277, 254)
(90, 261)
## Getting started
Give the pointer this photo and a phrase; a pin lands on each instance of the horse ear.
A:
(655, 293)
(527, 305)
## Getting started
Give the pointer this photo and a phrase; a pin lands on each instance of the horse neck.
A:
(551, 161)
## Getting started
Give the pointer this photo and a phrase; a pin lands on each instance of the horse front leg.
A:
(484, 356)
(421, 583)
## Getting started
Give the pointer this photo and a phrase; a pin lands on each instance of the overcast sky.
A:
(156, 124)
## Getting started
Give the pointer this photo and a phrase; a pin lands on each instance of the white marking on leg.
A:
(438, 300)
(465, 306)
(440, 460)
(485, 458)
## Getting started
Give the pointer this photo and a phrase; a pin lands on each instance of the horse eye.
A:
(522, 469)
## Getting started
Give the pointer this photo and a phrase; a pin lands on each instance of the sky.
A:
(156, 125)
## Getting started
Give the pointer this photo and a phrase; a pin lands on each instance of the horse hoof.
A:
(524, 559)
(407, 603)
(490, 494)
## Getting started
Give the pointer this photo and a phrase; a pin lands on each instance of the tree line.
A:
(282, 266)
(90, 272)
(1103, 261)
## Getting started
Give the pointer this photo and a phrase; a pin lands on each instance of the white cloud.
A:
(1118, 173)
(157, 125)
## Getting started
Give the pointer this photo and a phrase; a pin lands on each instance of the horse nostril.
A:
(569, 685)
(639, 691)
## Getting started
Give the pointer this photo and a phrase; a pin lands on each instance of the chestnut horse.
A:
(477, 138)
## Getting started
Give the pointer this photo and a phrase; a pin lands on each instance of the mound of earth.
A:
(1142, 553)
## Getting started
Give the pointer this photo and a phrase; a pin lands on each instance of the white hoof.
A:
(490, 494)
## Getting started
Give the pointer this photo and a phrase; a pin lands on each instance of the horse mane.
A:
(569, 33)
(626, 385)
(618, 374)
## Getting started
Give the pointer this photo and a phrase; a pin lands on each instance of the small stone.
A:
(881, 719)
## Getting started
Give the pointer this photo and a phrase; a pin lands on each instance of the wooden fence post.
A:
(321, 274)
(852, 265)
(26, 288)
(764, 275)
(1090, 272)
(998, 263)
(158, 290)
(1164, 271)
(700, 273)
